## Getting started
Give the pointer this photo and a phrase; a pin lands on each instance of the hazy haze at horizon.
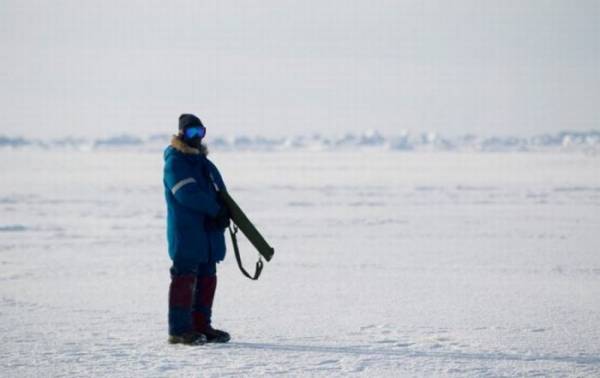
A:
(288, 67)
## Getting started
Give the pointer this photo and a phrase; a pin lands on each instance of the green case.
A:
(243, 223)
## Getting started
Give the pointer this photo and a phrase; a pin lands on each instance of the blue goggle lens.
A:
(195, 132)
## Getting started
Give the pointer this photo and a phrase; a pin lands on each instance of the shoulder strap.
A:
(259, 264)
(233, 231)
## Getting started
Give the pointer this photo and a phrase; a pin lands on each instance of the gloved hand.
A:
(222, 217)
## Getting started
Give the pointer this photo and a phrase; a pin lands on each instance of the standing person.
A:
(196, 221)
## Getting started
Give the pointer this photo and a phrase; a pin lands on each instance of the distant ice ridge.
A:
(585, 141)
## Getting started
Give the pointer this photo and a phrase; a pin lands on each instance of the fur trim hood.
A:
(180, 146)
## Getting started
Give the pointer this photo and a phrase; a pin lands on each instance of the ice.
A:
(386, 264)
(566, 141)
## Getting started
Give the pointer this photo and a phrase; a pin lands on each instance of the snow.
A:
(386, 264)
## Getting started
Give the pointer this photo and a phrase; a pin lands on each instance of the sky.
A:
(289, 67)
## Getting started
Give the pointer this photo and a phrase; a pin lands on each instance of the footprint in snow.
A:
(385, 341)
(370, 326)
(327, 362)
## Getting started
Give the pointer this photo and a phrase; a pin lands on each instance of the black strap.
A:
(259, 263)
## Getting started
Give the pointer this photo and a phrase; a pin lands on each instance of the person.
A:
(196, 221)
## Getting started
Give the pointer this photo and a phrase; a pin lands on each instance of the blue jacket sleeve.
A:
(179, 180)
(217, 176)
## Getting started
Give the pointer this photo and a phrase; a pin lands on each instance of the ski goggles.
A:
(195, 132)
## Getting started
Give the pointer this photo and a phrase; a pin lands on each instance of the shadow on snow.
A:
(361, 350)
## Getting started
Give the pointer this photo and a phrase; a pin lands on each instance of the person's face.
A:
(193, 136)
(194, 142)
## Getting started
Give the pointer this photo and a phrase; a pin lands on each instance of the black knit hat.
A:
(188, 120)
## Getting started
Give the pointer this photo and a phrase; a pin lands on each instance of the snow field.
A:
(386, 264)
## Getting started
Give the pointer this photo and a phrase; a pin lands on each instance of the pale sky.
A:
(283, 67)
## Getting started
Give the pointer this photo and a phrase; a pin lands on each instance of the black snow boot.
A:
(216, 335)
(188, 339)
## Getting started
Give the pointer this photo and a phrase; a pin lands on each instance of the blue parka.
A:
(191, 201)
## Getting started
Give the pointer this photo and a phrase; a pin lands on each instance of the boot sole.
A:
(175, 341)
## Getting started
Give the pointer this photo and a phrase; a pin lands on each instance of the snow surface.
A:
(386, 264)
